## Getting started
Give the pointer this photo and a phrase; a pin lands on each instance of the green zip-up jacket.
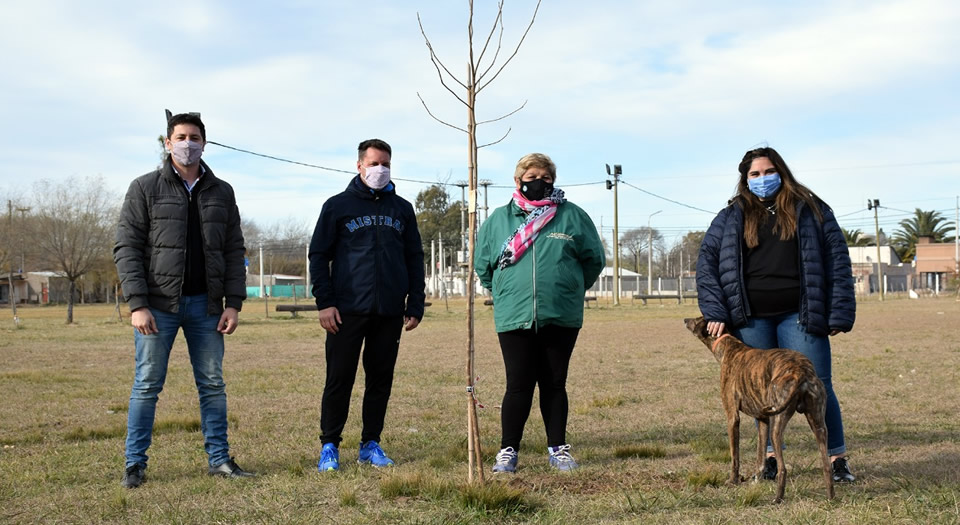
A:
(546, 286)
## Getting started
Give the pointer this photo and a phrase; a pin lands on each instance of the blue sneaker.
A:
(506, 461)
(561, 459)
(329, 458)
(370, 452)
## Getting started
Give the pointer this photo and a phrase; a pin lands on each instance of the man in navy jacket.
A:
(366, 267)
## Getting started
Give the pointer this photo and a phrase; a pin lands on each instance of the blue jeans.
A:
(784, 331)
(205, 347)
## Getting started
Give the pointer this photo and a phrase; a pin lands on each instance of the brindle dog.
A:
(769, 385)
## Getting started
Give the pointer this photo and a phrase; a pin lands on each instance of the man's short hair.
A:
(186, 118)
(372, 143)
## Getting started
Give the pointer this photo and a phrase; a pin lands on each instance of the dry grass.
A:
(645, 422)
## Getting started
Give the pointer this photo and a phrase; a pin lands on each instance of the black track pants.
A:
(380, 339)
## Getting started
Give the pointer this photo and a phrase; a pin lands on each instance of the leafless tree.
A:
(75, 225)
(636, 243)
(479, 76)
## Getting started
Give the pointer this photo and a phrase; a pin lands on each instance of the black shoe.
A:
(230, 469)
(133, 476)
(841, 471)
(770, 468)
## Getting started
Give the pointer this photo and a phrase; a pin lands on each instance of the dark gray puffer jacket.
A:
(151, 244)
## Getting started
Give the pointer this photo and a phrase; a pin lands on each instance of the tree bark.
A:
(73, 289)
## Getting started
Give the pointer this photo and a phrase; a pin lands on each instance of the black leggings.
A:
(534, 358)
(380, 338)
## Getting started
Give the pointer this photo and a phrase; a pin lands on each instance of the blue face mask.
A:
(765, 185)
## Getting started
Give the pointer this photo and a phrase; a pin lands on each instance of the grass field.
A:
(645, 422)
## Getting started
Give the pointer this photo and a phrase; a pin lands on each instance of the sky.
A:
(859, 97)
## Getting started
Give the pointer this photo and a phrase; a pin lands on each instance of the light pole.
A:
(875, 205)
(617, 171)
(650, 254)
(23, 214)
(485, 183)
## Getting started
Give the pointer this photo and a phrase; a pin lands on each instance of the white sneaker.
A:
(506, 461)
(561, 459)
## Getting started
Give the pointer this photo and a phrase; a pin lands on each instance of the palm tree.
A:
(922, 224)
(856, 238)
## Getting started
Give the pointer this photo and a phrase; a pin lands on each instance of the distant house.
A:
(31, 287)
(897, 276)
(935, 262)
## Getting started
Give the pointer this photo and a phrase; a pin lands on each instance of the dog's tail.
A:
(783, 394)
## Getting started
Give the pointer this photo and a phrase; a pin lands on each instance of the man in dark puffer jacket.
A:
(179, 254)
(366, 264)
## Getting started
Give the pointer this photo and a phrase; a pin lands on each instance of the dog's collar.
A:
(715, 343)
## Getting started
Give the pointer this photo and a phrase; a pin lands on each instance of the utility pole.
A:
(263, 294)
(13, 291)
(433, 268)
(680, 286)
(485, 183)
(875, 205)
(650, 254)
(23, 218)
(307, 284)
(617, 171)
(956, 240)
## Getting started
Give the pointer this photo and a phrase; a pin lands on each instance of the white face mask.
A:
(186, 152)
(377, 177)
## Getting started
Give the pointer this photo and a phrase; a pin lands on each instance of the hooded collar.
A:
(357, 186)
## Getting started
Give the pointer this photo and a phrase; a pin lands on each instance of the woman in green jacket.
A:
(538, 255)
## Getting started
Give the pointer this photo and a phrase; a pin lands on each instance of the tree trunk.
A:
(73, 289)
(12, 296)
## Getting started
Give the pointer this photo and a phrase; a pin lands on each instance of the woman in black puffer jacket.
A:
(774, 270)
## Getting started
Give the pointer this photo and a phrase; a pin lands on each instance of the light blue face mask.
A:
(765, 185)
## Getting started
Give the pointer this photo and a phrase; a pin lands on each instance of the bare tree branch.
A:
(497, 141)
(493, 62)
(532, 19)
(437, 119)
(437, 63)
(503, 116)
(498, 21)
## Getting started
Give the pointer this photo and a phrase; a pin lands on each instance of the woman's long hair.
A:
(791, 191)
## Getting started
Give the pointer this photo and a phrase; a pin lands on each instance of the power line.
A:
(316, 166)
(664, 198)
(279, 159)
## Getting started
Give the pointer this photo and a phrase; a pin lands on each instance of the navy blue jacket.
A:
(365, 256)
(827, 299)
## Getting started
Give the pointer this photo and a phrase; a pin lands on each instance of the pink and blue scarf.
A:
(539, 213)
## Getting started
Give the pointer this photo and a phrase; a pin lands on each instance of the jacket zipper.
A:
(742, 283)
(533, 252)
(801, 318)
(376, 256)
(186, 261)
(203, 246)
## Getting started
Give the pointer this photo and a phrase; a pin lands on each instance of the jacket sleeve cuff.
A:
(138, 301)
(235, 302)
(325, 303)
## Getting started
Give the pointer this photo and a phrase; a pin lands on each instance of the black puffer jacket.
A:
(366, 257)
(827, 300)
(152, 241)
